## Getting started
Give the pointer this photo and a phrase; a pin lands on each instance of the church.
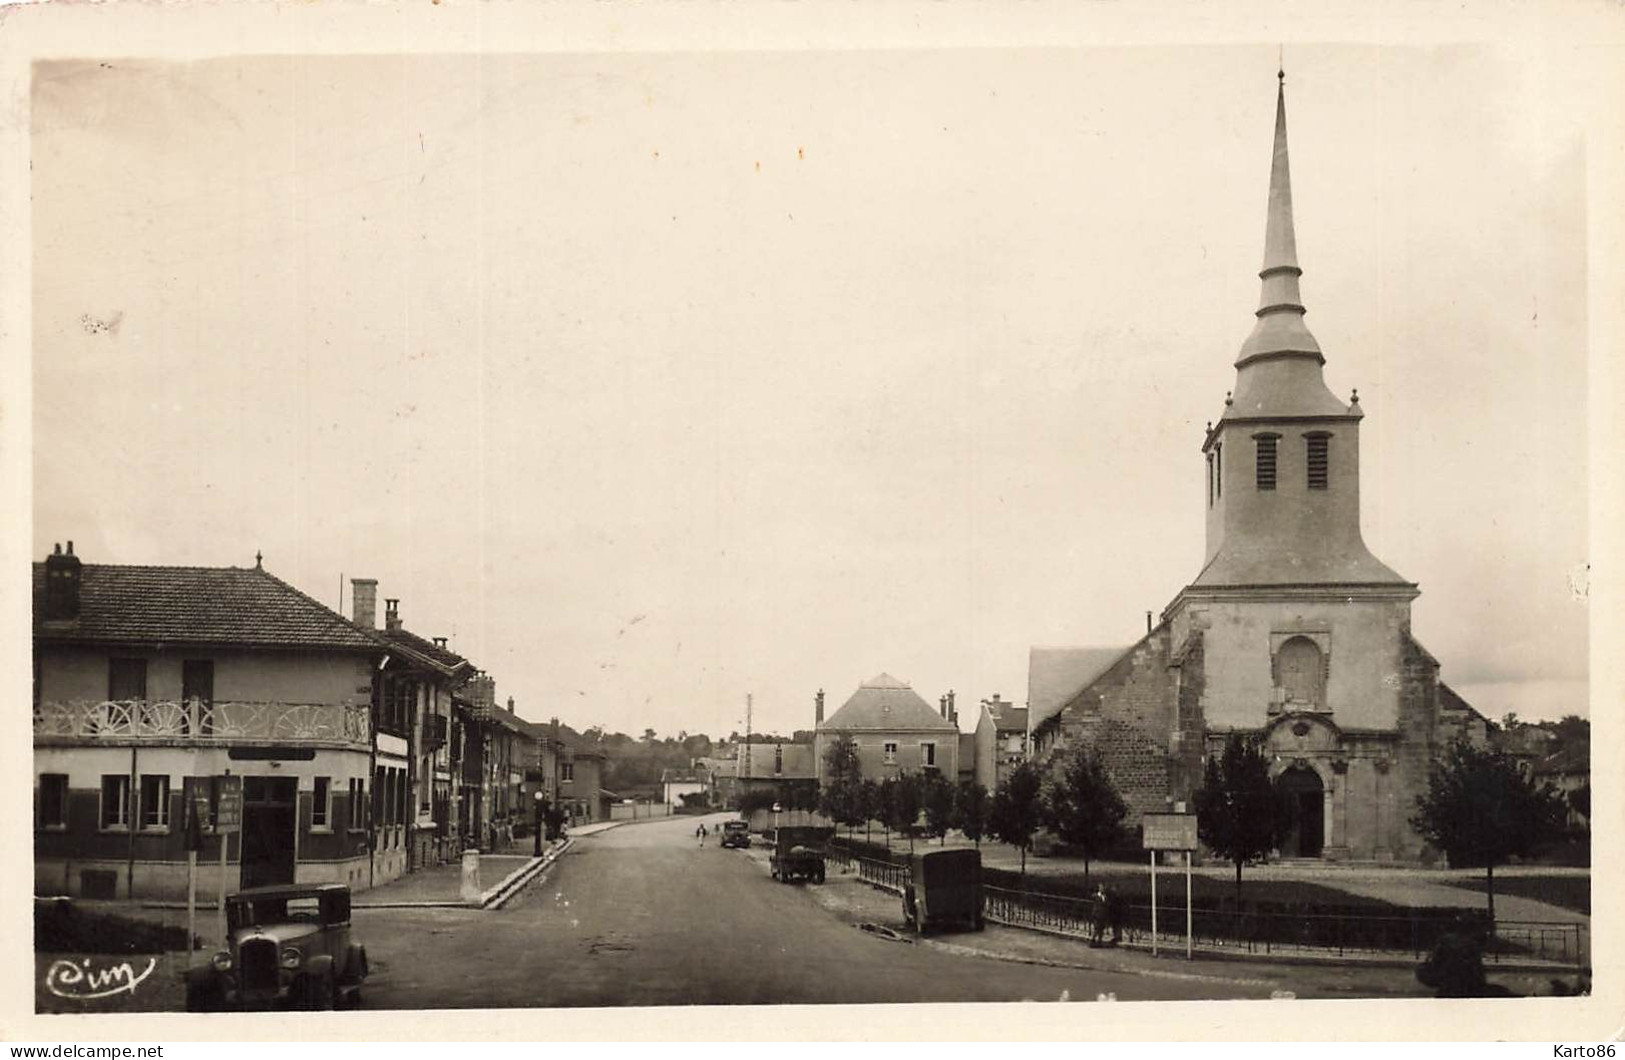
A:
(1292, 634)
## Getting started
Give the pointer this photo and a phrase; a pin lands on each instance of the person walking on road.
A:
(700, 831)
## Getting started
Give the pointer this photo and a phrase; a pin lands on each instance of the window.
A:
(1266, 460)
(1210, 480)
(399, 697)
(891, 752)
(1218, 470)
(126, 679)
(567, 772)
(53, 800)
(321, 803)
(154, 801)
(778, 759)
(928, 755)
(358, 804)
(403, 796)
(115, 801)
(1318, 459)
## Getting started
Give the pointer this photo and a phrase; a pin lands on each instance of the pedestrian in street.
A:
(700, 831)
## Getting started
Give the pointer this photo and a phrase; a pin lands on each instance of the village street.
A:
(641, 915)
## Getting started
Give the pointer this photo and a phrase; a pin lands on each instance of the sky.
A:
(655, 380)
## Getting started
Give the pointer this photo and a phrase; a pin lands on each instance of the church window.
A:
(1210, 480)
(1318, 459)
(1266, 460)
(1218, 470)
(1301, 672)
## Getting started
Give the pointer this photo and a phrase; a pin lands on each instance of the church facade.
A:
(1292, 634)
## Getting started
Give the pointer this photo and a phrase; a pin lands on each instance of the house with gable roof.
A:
(151, 681)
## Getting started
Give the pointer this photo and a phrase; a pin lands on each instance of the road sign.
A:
(228, 804)
(1170, 831)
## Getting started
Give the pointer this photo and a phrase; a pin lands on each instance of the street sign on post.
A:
(228, 805)
(1170, 831)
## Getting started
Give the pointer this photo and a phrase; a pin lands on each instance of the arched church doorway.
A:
(1304, 795)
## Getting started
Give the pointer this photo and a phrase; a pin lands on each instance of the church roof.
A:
(1261, 561)
(1055, 675)
(884, 702)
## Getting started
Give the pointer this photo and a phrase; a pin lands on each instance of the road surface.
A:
(641, 915)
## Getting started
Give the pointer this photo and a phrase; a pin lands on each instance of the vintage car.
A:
(945, 886)
(798, 853)
(284, 945)
(735, 834)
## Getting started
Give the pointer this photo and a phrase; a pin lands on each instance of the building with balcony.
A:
(151, 681)
(413, 803)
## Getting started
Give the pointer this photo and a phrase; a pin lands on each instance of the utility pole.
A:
(749, 704)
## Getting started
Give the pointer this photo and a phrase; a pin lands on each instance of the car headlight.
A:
(221, 961)
(291, 958)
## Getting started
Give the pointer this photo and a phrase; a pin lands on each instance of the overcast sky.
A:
(655, 380)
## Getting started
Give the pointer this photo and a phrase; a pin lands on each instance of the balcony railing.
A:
(141, 721)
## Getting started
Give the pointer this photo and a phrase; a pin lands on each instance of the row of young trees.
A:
(1480, 809)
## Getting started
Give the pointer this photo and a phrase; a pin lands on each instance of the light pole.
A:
(541, 800)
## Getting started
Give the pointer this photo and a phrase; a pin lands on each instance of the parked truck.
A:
(798, 853)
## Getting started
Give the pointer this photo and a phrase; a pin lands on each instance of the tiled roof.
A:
(799, 761)
(246, 606)
(443, 659)
(1007, 717)
(1055, 675)
(884, 702)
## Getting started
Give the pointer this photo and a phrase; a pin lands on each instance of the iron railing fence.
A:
(198, 721)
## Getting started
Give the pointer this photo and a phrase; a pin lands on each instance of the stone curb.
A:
(498, 896)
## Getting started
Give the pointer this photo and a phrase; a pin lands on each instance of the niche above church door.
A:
(1300, 663)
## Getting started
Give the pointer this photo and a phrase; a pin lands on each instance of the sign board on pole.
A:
(228, 804)
(1170, 831)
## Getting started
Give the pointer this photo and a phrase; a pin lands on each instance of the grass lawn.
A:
(1136, 888)
(1569, 892)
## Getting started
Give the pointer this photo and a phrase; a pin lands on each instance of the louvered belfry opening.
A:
(1266, 461)
(1318, 454)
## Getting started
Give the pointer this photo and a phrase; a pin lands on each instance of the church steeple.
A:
(1280, 331)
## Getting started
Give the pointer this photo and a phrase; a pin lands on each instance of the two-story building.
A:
(153, 682)
(1000, 741)
(895, 731)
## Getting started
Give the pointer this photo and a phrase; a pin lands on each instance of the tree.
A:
(840, 797)
(970, 810)
(903, 807)
(937, 798)
(751, 801)
(868, 806)
(1016, 810)
(1238, 813)
(1480, 810)
(1082, 804)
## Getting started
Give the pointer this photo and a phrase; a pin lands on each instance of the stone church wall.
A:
(1127, 715)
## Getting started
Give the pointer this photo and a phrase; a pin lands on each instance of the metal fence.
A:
(886, 877)
(1267, 932)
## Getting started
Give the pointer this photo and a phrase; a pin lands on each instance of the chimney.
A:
(440, 642)
(63, 574)
(942, 706)
(510, 704)
(1148, 623)
(392, 614)
(818, 708)
(953, 711)
(364, 602)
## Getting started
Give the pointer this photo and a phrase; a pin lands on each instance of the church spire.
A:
(1280, 331)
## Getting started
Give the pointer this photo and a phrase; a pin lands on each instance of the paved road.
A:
(640, 915)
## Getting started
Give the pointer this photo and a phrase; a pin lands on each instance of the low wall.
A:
(619, 811)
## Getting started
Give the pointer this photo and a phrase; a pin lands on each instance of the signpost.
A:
(1170, 831)
(228, 819)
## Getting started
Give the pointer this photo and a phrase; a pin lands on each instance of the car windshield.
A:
(261, 912)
